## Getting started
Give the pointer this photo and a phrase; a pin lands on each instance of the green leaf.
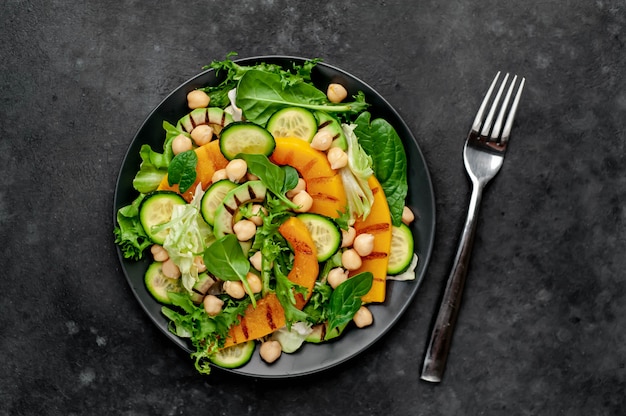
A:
(225, 260)
(291, 178)
(182, 170)
(381, 141)
(345, 300)
(277, 179)
(129, 234)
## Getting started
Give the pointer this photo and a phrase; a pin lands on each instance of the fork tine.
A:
(487, 124)
(497, 127)
(481, 110)
(506, 132)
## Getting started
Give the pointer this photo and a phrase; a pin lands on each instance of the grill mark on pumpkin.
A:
(244, 328)
(374, 228)
(269, 315)
(302, 247)
(324, 197)
(376, 255)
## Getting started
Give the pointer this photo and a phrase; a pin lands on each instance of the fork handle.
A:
(441, 336)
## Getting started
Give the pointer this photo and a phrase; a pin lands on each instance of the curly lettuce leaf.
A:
(129, 234)
(154, 165)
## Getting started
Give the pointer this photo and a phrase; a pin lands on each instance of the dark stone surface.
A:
(542, 327)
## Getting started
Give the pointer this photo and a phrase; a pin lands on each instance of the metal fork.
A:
(483, 156)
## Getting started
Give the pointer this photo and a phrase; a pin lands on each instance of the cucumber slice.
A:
(156, 209)
(235, 356)
(401, 252)
(293, 122)
(227, 210)
(245, 137)
(325, 234)
(213, 197)
(159, 285)
(213, 116)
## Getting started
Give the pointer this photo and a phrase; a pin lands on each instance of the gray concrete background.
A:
(542, 328)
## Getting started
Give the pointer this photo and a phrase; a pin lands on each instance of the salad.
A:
(274, 213)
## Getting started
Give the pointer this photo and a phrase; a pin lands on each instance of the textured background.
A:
(542, 327)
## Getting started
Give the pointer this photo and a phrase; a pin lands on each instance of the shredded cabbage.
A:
(292, 339)
(355, 176)
(409, 274)
(189, 235)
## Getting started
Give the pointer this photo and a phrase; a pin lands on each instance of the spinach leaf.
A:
(345, 300)
(277, 179)
(225, 260)
(182, 170)
(381, 141)
(291, 178)
(260, 94)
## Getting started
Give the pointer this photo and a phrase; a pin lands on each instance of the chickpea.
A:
(170, 269)
(363, 317)
(257, 219)
(256, 260)
(251, 177)
(347, 237)
(202, 134)
(337, 158)
(181, 143)
(219, 175)
(234, 289)
(236, 170)
(407, 215)
(351, 260)
(199, 262)
(336, 93)
(212, 305)
(159, 253)
(255, 282)
(364, 244)
(322, 140)
(198, 99)
(270, 351)
(303, 200)
(337, 276)
(244, 230)
(301, 186)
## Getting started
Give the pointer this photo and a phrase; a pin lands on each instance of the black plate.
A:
(310, 358)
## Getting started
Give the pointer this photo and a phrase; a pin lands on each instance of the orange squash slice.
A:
(322, 182)
(210, 159)
(377, 223)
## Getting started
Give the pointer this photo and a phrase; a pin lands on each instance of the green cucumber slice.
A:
(213, 197)
(159, 285)
(235, 356)
(293, 122)
(227, 210)
(401, 253)
(213, 116)
(246, 137)
(156, 209)
(325, 234)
